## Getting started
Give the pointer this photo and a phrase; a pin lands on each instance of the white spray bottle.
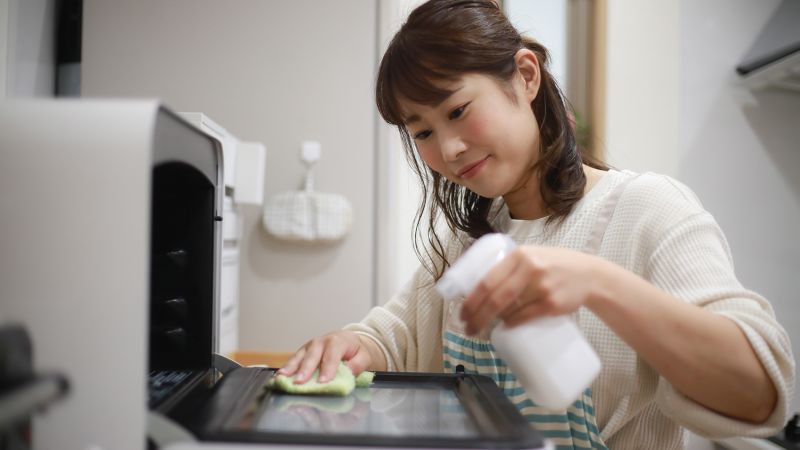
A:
(549, 356)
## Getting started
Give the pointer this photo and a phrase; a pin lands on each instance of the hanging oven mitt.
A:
(342, 383)
(308, 215)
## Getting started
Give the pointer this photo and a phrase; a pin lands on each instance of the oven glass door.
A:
(386, 408)
(397, 410)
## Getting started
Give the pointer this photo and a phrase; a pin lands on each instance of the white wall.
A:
(545, 21)
(398, 190)
(642, 85)
(277, 72)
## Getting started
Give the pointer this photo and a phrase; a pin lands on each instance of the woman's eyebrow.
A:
(415, 117)
(411, 119)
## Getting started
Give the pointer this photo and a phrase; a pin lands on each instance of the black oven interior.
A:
(182, 270)
(184, 258)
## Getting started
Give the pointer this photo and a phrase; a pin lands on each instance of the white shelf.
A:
(782, 74)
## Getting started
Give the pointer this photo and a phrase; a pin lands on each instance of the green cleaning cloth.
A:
(364, 379)
(342, 383)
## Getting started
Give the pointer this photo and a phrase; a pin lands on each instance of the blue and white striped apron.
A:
(574, 428)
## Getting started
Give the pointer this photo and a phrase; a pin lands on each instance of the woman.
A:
(635, 259)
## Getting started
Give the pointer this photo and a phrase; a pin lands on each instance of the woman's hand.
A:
(326, 352)
(531, 282)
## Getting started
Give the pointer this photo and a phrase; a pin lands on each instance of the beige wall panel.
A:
(278, 72)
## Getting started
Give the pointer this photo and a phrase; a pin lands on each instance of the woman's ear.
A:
(528, 69)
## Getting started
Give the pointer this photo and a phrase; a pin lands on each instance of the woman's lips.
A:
(472, 170)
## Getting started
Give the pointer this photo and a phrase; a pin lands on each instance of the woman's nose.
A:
(452, 146)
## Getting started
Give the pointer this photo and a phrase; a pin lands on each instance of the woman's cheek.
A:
(431, 158)
(477, 127)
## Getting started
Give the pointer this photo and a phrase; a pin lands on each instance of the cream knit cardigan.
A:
(658, 230)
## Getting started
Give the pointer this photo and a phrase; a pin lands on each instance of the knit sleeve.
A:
(693, 262)
(408, 327)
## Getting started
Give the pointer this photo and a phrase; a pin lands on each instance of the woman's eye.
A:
(456, 113)
(422, 135)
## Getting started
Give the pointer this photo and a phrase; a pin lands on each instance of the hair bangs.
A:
(406, 78)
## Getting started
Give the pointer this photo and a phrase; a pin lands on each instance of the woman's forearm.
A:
(703, 355)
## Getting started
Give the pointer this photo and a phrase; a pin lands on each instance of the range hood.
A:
(774, 58)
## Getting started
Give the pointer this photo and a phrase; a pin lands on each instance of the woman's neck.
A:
(525, 202)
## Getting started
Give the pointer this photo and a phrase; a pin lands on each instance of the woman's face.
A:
(478, 137)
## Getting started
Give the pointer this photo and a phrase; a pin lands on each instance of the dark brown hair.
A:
(441, 41)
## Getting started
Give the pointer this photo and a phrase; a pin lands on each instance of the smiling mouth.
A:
(470, 169)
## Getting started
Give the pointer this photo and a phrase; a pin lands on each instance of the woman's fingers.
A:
(497, 294)
(326, 353)
(474, 303)
(310, 362)
(514, 307)
(531, 282)
(526, 312)
(530, 303)
(331, 358)
(290, 367)
(514, 291)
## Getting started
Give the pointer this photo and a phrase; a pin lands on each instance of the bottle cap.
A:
(462, 277)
